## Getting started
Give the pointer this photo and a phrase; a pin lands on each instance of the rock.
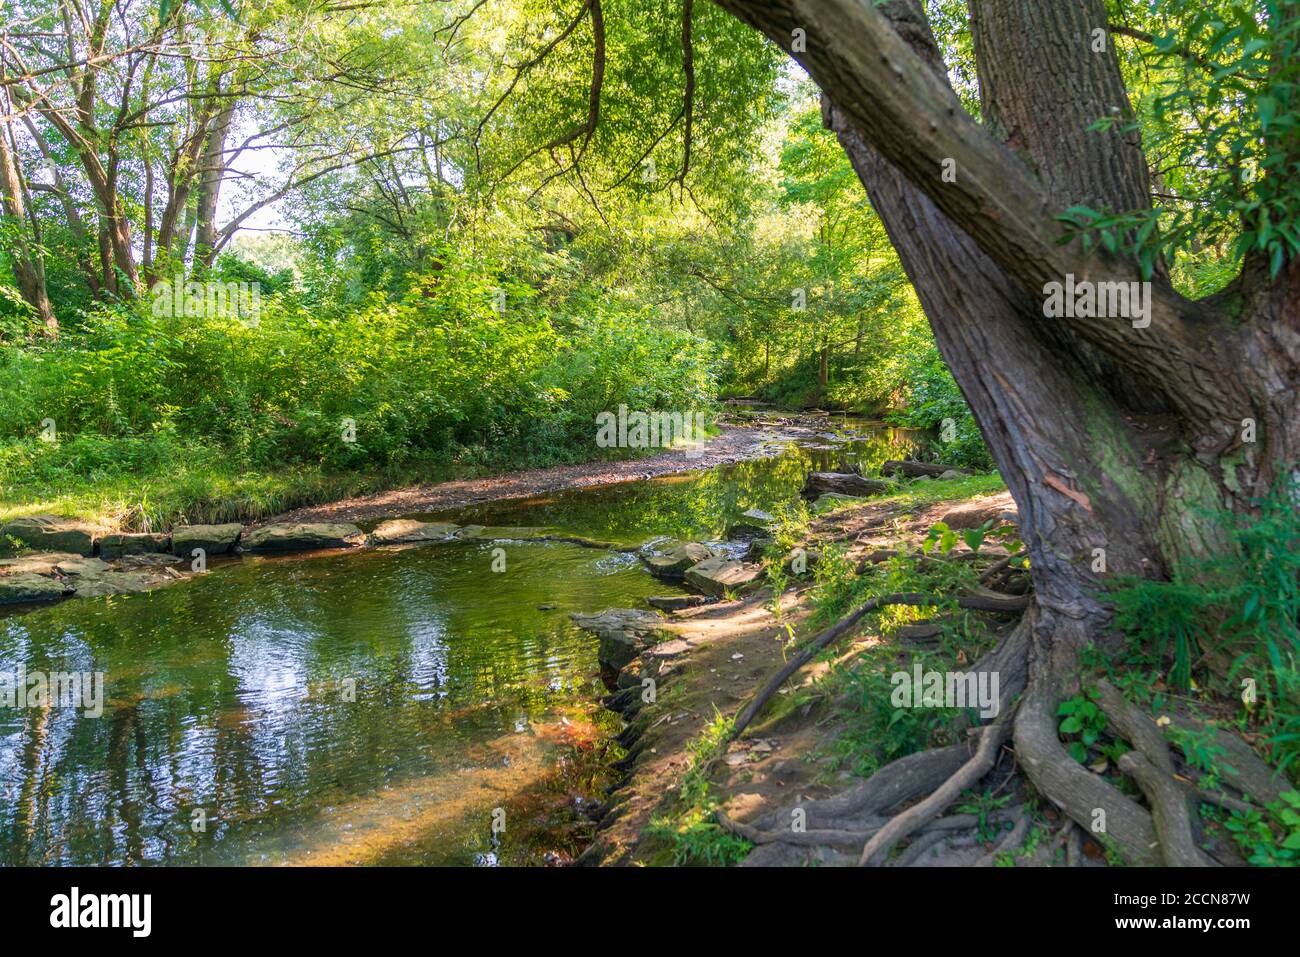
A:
(952, 474)
(973, 514)
(213, 539)
(757, 548)
(755, 522)
(672, 563)
(403, 531)
(623, 632)
(148, 560)
(718, 576)
(24, 587)
(117, 583)
(518, 533)
(677, 602)
(829, 500)
(302, 537)
(471, 531)
(913, 469)
(75, 567)
(845, 483)
(51, 533)
(41, 563)
(119, 544)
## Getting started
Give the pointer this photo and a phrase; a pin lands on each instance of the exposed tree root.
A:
(917, 816)
(982, 601)
(1242, 767)
(923, 785)
(1173, 812)
(1010, 841)
(1092, 802)
(918, 848)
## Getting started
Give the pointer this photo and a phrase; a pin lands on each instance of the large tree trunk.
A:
(1112, 439)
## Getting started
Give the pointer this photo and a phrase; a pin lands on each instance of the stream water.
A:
(406, 706)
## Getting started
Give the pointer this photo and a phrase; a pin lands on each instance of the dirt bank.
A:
(732, 444)
(720, 656)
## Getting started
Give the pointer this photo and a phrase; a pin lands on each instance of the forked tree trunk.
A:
(1113, 440)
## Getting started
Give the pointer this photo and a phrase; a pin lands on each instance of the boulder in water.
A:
(302, 537)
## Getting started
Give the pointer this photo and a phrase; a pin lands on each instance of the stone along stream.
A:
(379, 706)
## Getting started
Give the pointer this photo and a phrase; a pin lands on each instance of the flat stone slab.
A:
(139, 543)
(51, 533)
(302, 537)
(213, 539)
(42, 563)
(148, 560)
(623, 632)
(403, 531)
(25, 587)
(677, 602)
(718, 576)
(672, 562)
(74, 567)
(118, 583)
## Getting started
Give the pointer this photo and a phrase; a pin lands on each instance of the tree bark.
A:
(29, 269)
(1114, 441)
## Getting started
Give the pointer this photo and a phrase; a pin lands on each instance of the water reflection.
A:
(363, 708)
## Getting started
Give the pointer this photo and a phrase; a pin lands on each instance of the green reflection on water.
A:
(228, 695)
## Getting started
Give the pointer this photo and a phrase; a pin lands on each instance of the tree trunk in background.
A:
(29, 269)
(1111, 439)
(211, 172)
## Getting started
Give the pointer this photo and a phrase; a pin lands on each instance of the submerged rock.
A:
(118, 583)
(22, 587)
(718, 576)
(302, 537)
(403, 531)
(51, 533)
(623, 632)
(213, 539)
(120, 543)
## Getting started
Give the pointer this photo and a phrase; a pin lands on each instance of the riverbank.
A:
(819, 733)
(733, 443)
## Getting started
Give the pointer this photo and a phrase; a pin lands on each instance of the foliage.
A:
(1243, 604)
(1272, 838)
(690, 829)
